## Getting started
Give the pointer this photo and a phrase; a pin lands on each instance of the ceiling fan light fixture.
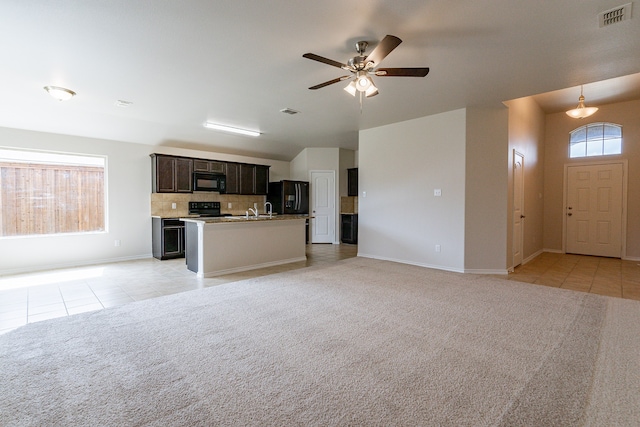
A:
(351, 88)
(363, 81)
(371, 91)
(60, 93)
(581, 111)
(225, 128)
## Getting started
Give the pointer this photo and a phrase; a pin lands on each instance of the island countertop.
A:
(241, 218)
(223, 245)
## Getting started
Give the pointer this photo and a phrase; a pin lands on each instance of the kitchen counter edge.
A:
(236, 219)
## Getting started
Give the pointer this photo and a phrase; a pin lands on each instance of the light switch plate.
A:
(437, 192)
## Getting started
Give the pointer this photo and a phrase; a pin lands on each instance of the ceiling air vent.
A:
(615, 15)
(289, 111)
(122, 103)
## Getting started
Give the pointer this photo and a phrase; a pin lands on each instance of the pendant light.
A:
(581, 111)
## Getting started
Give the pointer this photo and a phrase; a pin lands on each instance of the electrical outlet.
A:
(437, 248)
(116, 243)
(229, 205)
(173, 206)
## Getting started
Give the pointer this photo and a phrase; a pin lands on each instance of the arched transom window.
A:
(595, 139)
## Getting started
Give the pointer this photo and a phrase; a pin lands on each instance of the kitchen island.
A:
(216, 246)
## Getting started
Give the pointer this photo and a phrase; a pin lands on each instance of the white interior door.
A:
(594, 209)
(323, 210)
(518, 207)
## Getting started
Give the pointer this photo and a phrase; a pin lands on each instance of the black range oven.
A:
(205, 209)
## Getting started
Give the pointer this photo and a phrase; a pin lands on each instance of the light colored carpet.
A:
(360, 342)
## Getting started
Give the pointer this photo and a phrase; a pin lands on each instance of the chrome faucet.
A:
(270, 211)
(253, 211)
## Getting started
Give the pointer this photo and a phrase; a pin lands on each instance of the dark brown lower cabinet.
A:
(349, 228)
(167, 238)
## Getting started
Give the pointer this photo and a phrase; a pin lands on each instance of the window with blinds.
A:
(595, 139)
(51, 193)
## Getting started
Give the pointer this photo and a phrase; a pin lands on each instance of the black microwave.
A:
(203, 181)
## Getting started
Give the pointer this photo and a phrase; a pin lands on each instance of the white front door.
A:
(323, 211)
(593, 212)
(518, 207)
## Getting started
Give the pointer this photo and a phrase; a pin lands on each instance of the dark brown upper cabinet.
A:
(254, 179)
(352, 182)
(174, 174)
(232, 171)
(201, 165)
(171, 174)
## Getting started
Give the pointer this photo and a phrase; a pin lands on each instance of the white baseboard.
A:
(485, 271)
(554, 251)
(531, 257)
(436, 267)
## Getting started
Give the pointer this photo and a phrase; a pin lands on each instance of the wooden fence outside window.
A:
(38, 199)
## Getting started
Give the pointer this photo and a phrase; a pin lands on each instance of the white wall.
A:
(486, 194)
(129, 189)
(298, 167)
(325, 159)
(400, 165)
(556, 156)
(526, 136)
(461, 153)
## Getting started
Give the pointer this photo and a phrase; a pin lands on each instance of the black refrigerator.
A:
(289, 197)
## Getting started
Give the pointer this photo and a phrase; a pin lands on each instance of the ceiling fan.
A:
(364, 66)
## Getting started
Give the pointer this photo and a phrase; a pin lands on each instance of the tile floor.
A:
(604, 276)
(28, 298)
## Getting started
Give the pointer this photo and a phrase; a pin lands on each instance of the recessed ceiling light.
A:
(210, 125)
(60, 93)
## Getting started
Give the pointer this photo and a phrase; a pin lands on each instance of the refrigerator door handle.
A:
(297, 197)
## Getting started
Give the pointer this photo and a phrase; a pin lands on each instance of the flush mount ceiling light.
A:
(581, 111)
(224, 128)
(60, 93)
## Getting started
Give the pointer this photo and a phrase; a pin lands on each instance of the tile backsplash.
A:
(349, 204)
(162, 203)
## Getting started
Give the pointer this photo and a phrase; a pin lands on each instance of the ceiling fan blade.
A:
(383, 49)
(330, 82)
(402, 72)
(324, 60)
